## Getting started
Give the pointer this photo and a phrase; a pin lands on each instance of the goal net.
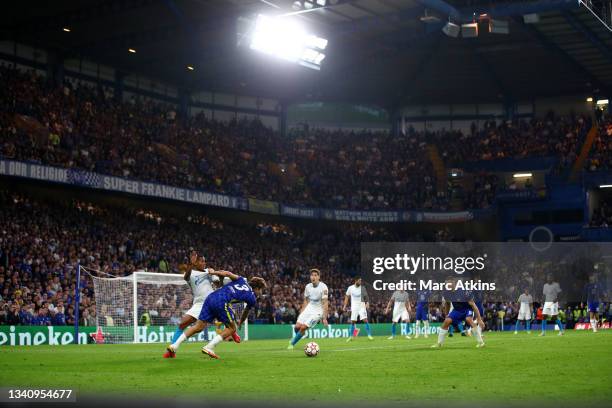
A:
(145, 307)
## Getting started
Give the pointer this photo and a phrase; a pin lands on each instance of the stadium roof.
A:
(380, 51)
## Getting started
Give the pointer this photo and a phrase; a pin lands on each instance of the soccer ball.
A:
(311, 349)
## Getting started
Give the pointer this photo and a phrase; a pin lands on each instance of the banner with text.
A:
(123, 185)
(88, 179)
(64, 335)
(263, 206)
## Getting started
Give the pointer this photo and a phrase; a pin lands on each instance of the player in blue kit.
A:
(202, 283)
(594, 293)
(218, 306)
(422, 313)
(464, 308)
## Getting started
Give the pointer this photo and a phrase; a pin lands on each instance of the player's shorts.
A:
(221, 311)
(400, 313)
(459, 316)
(524, 314)
(359, 314)
(195, 310)
(594, 307)
(550, 309)
(422, 311)
(310, 316)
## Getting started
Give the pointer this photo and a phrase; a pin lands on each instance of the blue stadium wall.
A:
(562, 209)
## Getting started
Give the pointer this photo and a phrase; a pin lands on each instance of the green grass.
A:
(511, 368)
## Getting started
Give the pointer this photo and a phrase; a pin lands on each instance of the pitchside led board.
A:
(488, 271)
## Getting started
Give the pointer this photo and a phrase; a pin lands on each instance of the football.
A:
(311, 349)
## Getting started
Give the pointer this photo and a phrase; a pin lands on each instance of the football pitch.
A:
(511, 368)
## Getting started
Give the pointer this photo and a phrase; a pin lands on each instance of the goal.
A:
(144, 307)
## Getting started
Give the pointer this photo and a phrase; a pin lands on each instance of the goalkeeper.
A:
(200, 280)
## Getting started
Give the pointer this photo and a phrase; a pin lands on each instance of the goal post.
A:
(135, 305)
(77, 303)
(155, 286)
(145, 307)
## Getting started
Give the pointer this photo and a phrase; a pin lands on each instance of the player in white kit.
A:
(551, 292)
(200, 280)
(401, 308)
(359, 307)
(314, 309)
(525, 301)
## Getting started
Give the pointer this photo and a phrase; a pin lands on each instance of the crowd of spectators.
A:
(556, 136)
(43, 241)
(602, 215)
(86, 127)
(41, 244)
(600, 157)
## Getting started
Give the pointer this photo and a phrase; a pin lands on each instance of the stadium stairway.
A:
(584, 153)
(439, 167)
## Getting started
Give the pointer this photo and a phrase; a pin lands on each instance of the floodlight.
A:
(316, 42)
(285, 38)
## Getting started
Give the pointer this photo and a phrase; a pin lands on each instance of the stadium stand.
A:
(600, 155)
(78, 126)
(43, 241)
(83, 127)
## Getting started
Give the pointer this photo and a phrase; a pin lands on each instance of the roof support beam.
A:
(515, 8)
(510, 9)
(576, 66)
(385, 17)
(375, 23)
(590, 35)
(442, 7)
